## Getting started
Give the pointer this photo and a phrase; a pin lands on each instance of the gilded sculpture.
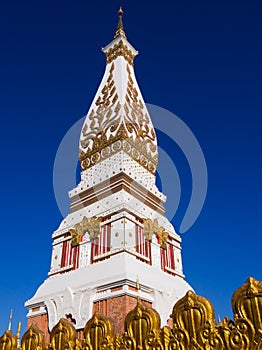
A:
(151, 227)
(8, 341)
(33, 339)
(91, 225)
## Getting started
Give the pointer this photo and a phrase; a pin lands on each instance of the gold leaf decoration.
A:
(163, 236)
(8, 341)
(191, 313)
(91, 225)
(247, 303)
(33, 339)
(151, 227)
(76, 235)
(124, 342)
(142, 326)
(63, 336)
(120, 49)
(98, 333)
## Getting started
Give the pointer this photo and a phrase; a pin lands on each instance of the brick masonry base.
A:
(41, 321)
(116, 309)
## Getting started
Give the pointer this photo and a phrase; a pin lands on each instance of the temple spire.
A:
(120, 27)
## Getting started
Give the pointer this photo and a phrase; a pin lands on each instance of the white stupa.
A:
(117, 231)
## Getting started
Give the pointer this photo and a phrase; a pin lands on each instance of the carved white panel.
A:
(178, 260)
(52, 313)
(67, 302)
(85, 252)
(86, 305)
(130, 236)
(155, 249)
(117, 234)
(56, 257)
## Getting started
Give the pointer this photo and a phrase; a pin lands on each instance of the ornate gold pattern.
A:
(120, 49)
(137, 122)
(247, 302)
(194, 328)
(63, 336)
(103, 118)
(33, 339)
(109, 131)
(191, 313)
(91, 225)
(151, 227)
(76, 234)
(8, 341)
(163, 236)
(98, 333)
(142, 326)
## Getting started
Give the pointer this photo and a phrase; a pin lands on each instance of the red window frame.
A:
(102, 244)
(167, 258)
(143, 246)
(70, 255)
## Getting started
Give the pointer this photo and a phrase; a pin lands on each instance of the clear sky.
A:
(199, 59)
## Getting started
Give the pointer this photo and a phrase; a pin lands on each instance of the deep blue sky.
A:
(199, 59)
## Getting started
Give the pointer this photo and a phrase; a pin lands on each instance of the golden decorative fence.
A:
(194, 328)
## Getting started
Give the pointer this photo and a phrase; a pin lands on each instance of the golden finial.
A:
(120, 11)
(137, 288)
(120, 27)
(18, 333)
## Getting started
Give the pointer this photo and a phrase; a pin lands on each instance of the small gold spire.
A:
(137, 284)
(137, 288)
(120, 27)
(18, 333)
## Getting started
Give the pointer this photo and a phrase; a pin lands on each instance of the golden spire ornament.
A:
(120, 27)
(138, 288)
(18, 333)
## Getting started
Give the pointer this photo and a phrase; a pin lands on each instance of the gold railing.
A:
(194, 328)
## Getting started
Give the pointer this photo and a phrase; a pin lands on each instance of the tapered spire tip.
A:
(120, 11)
(120, 27)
